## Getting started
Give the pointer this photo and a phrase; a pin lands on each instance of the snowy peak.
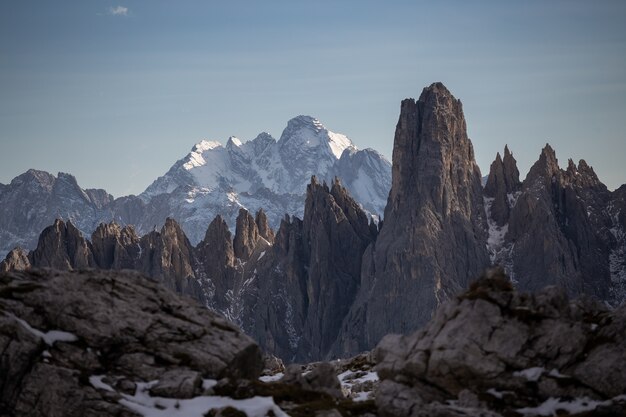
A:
(307, 132)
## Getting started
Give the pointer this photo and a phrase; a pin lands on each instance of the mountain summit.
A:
(265, 173)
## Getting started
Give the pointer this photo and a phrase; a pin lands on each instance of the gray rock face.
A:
(246, 235)
(62, 334)
(115, 247)
(562, 229)
(304, 287)
(168, 257)
(217, 263)
(433, 238)
(16, 260)
(62, 246)
(502, 184)
(506, 350)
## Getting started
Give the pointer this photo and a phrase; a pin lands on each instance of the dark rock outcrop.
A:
(217, 263)
(62, 246)
(502, 184)
(263, 225)
(72, 344)
(246, 235)
(433, 239)
(302, 287)
(559, 229)
(16, 260)
(115, 247)
(501, 351)
(168, 257)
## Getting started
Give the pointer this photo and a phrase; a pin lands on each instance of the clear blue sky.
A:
(116, 92)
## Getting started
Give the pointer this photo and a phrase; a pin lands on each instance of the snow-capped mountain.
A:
(265, 173)
(212, 179)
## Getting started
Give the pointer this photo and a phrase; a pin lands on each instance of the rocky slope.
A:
(492, 351)
(558, 227)
(88, 344)
(111, 343)
(212, 179)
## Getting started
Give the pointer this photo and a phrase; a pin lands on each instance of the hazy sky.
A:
(116, 92)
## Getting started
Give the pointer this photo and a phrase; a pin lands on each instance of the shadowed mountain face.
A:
(333, 283)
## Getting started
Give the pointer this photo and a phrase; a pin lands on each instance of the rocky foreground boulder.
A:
(81, 344)
(493, 351)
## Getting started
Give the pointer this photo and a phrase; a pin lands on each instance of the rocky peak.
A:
(62, 246)
(218, 243)
(115, 247)
(433, 239)
(246, 235)
(502, 183)
(262, 142)
(583, 176)
(16, 260)
(308, 133)
(41, 178)
(217, 257)
(167, 256)
(433, 158)
(547, 167)
(262, 223)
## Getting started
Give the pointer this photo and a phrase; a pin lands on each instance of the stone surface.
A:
(246, 235)
(59, 330)
(16, 260)
(491, 339)
(62, 246)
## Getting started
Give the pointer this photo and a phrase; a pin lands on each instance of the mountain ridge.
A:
(211, 179)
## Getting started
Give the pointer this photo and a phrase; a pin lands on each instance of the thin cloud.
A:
(118, 11)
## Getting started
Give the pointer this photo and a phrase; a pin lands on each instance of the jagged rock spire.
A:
(263, 226)
(502, 183)
(246, 235)
(433, 240)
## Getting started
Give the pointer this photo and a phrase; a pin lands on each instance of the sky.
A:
(114, 92)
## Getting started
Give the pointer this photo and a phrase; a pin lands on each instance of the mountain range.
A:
(333, 282)
(212, 179)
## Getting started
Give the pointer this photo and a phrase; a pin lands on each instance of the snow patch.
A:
(271, 378)
(147, 406)
(554, 406)
(358, 385)
(531, 374)
(49, 337)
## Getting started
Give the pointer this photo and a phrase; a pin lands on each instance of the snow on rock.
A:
(556, 406)
(271, 378)
(148, 406)
(358, 385)
(531, 374)
(49, 337)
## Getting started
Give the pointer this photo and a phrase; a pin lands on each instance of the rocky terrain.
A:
(212, 179)
(492, 351)
(332, 282)
(112, 343)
